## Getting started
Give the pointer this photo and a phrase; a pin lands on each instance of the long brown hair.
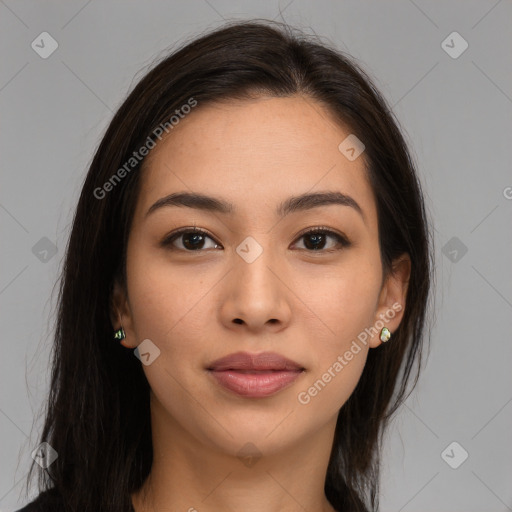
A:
(97, 414)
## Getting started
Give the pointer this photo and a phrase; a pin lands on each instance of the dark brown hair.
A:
(97, 414)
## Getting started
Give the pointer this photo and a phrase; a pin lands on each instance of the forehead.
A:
(255, 153)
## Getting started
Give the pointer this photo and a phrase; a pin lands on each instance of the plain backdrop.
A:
(454, 104)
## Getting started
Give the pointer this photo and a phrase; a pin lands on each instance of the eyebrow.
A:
(293, 204)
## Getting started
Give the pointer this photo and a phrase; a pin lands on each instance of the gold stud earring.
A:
(385, 334)
(119, 334)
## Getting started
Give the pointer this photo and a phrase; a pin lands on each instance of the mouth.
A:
(255, 376)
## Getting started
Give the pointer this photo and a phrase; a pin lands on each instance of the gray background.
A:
(456, 115)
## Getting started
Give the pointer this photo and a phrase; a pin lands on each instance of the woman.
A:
(244, 294)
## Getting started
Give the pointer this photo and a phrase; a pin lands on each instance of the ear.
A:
(391, 305)
(120, 314)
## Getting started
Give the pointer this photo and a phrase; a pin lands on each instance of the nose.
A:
(256, 296)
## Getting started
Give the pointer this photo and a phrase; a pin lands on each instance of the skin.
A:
(306, 305)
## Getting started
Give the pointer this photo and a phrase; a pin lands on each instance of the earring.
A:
(385, 334)
(119, 334)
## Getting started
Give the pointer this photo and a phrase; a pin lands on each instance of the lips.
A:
(254, 362)
(255, 375)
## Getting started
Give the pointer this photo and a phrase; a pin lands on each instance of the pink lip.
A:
(255, 376)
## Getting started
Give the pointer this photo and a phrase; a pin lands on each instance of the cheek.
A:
(345, 301)
(327, 390)
(342, 299)
(340, 355)
(169, 304)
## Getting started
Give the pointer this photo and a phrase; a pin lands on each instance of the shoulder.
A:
(47, 501)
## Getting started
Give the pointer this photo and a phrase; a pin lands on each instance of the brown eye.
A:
(317, 239)
(196, 240)
(191, 240)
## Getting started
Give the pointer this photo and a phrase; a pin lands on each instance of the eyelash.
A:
(343, 242)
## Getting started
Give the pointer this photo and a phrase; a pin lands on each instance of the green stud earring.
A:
(385, 334)
(119, 334)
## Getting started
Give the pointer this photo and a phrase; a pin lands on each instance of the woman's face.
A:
(255, 283)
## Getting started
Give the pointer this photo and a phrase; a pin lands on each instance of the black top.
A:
(46, 501)
(49, 501)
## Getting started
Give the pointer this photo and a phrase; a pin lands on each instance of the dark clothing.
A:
(49, 501)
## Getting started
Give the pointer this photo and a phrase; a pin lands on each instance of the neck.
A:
(192, 475)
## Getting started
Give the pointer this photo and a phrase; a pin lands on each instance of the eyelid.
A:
(168, 239)
(342, 240)
(323, 229)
